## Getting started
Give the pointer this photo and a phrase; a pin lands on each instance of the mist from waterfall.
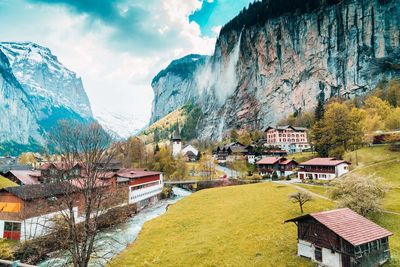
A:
(220, 77)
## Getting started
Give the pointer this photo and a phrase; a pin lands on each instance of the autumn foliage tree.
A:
(338, 131)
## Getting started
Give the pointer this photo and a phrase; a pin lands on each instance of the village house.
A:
(341, 238)
(322, 169)
(54, 171)
(282, 166)
(288, 138)
(230, 152)
(145, 187)
(26, 211)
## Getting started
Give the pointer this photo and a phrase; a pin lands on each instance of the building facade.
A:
(341, 238)
(288, 138)
(322, 169)
(282, 166)
(27, 211)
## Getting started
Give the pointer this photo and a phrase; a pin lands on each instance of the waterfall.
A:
(220, 77)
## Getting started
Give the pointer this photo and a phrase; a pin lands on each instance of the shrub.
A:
(275, 176)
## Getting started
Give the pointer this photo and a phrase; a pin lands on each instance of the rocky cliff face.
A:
(285, 63)
(176, 85)
(36, 91)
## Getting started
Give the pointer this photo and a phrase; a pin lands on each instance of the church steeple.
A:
(176, 136)
(176, 142)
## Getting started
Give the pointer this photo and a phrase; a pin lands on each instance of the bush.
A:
(275, 176)
(6, 249)
(288, 178)
(266, 176)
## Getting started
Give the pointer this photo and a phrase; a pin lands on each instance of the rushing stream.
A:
(110, 242)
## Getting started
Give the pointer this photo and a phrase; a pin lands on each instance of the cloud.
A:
(116, 53)
(142, 26)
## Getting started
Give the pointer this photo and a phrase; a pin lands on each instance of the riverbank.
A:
(115, 239)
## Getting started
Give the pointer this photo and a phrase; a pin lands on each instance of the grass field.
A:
(318, 189)
(230, 226)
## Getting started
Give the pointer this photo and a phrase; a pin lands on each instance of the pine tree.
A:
(275, 176)
(319, 111)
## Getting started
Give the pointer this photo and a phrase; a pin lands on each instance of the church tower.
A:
(176, 142)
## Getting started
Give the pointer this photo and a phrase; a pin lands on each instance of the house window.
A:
(12, 230)
(318, 254)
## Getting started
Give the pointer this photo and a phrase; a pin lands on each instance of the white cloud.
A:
(115, 79)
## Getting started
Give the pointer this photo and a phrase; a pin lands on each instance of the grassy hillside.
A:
(230, 226)
(163, 128)
(384, 163)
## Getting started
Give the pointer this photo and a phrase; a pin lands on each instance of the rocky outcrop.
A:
(36, 91)
(284, 62)
(174, 86)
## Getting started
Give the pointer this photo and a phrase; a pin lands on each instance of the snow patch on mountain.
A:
(120, 126)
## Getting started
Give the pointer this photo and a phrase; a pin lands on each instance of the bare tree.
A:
(88, 193)
(301, 198)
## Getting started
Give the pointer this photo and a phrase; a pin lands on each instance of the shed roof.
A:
(269, 160)
(324, 162)
(26, 177)
(349, 225)
(134, 173)
(35, 191)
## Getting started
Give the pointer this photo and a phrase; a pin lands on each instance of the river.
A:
(110, 242)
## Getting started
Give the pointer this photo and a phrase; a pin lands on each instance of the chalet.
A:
(190, 153)
(282, 166)
(230, 152)
(322, 169)
(288, 138)
(53, 171)
(341, 238)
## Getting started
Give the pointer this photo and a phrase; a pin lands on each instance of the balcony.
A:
(318, 170)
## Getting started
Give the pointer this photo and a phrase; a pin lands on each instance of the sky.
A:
(118, 46)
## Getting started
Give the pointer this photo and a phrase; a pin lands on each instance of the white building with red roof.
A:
(282, 166)
(322, 169)
(144, 186)
(341, 238)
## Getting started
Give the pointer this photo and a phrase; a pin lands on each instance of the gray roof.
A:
(176, 135)
(284, 127)
(30, 192)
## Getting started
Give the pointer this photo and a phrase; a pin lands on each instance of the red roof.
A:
(324, 162)
(26, 177)
(287, 161)
(134, 173)
(349, 225)
(269, 160)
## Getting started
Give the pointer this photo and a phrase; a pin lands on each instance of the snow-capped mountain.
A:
(118, 125)
(36, 91)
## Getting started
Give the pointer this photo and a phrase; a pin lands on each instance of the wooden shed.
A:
(341, 238)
